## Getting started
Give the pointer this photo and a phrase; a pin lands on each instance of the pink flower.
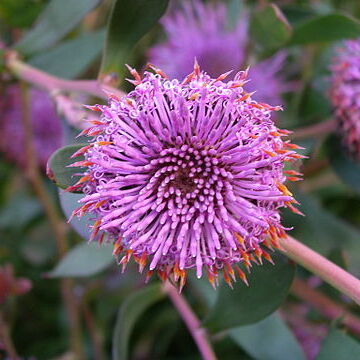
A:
(187, 174)
(345, 94)
(202, 31)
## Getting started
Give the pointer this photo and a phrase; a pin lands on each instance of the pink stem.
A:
(191, 321)
(321, 128)
(324, 305)
(52, 83)
(322, 267)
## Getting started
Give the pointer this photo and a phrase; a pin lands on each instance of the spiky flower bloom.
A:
(202, 31)
(345, 93)
(46, 125)
(187, 175)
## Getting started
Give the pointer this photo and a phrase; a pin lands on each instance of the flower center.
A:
(186, 181)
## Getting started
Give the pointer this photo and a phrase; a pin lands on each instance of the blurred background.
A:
(61, 298)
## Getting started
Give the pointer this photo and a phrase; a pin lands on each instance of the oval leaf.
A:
(272, 22)
(339, 346)
(269, 285)
(60, 60)
(57, 167)
(129, 312)
(129, 22)
(347, 169)
(83, 260)
(69, 203)
(58, 18)
(331, 27)
(276, 340)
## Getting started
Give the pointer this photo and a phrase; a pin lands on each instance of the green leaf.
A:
(338, 346)
(331, 27)
(269, 339)
(19, 13)
(129, 22)
(58, 18)
(85, 259)
(269, 27)
(346, 168)
(21, 207)
(69, 202)
(234, 10)
(130, 311)
(60, 60)
(269, 285)
(58, 170)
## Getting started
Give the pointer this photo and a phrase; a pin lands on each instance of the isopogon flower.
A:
(345, 94)
(202, 31)
(187, 175)
(46, 126)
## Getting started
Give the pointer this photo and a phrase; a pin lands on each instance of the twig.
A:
(322, 267)
(192, 322)
(57, 225)
(50, 83)
(94, 335)
(6, 339)
(325, 305)
(321, 128)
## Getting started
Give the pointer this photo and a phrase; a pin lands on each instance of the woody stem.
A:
(322, 267)
(192, 322)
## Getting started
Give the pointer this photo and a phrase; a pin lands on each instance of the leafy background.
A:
(120, 316)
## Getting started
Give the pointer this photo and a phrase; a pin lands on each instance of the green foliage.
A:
(345, 167)
(21, 207)
(58, 19)
(269, 28)
(339, 346)
(331, 27)
(69, 203)
(58, 166)
(269, 339)
(130, 312)
(20, 13)
(269, 285)
(85, 259)
(128, 23)
(324, 231)
(60, 60)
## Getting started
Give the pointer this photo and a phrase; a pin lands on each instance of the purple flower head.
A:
(345, 93)
(187, 175)
(47, 131)
(201, 31)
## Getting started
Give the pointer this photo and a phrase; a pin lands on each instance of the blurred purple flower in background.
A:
(47, 129)
(345, 93)
(187, 175)
(201, 31)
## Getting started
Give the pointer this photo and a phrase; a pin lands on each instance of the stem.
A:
(94, 335)
(322, 128)
(50, 83)
(6, 339)
(324, 305)
(57, 225)
(192, 322)
(322, 267)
